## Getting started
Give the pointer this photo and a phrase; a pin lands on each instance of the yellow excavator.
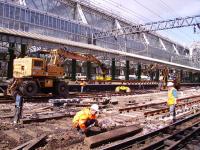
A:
(32, 75)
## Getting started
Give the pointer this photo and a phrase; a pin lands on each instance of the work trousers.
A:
(82, 87)
(172, 111)
(18, 114)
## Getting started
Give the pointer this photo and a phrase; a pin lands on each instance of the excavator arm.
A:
(57, 55)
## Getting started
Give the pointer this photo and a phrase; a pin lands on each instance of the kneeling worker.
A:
(85, 119)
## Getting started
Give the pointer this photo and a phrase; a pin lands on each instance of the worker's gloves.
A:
(82, 131)
(96, 123)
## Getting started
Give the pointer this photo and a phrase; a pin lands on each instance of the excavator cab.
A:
(28, 67)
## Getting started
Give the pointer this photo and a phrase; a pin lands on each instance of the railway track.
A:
(9, 99)
(161, 108)
(171, 137)
(45, 98)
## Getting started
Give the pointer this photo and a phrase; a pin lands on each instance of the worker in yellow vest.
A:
(171, 102)
(160, 84)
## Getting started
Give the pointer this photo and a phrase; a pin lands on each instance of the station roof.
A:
(55, 40)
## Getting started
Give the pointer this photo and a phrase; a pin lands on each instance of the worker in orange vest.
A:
(82, 84)
(86, 118)
(171, 102)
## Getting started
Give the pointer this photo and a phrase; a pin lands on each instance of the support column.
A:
(199, 77)
(127, 70)
(73, 76)
(139, 71)
(190, 77)
(11, 54)
(23, 50)
(88, 70)
(157, 75)
(181, 76)
(113, 69)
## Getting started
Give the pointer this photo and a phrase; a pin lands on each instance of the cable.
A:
(168, 7)
(148, 9)
(120, 7)
(139, 16)
(134, 12)
(172, 11)
(106, 8)
(156, 15)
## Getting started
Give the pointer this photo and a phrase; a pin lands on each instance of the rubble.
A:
(62, 135)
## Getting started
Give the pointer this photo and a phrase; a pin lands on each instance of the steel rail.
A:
(160, 133)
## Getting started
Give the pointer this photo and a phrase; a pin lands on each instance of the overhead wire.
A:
(137, 15)
(106, 8)
(133, 12)
(173, 12)
(154, 13)
(119, 6)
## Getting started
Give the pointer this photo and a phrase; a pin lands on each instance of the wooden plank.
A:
(35, 143)
(44, 118)
(112, 135)
(20, 147)
(82, 105)
(7, 116)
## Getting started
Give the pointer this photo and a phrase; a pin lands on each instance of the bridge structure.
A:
(31, 25)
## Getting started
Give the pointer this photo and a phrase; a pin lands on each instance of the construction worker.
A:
(171, 102)
(160, 85)
(122, 88)
(85, 119)
(82, 84)
(18, 106)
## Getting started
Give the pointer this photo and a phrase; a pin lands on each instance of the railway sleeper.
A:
(174, 138)
(180, 144)
(169, 142)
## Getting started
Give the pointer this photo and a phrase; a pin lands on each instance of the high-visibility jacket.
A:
(82, 84)
(81, 117)
(171, 99)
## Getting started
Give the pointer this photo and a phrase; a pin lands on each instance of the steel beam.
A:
(73, 76)
(113, 69)
(151, 26)
(23, 50)
(89, 70)
(127, 70)
(11, 54)
(139, 71)
(79, 15)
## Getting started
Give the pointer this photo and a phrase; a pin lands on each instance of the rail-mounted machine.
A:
(32, 75)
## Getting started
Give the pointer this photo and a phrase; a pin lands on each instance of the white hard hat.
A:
(170, 84)
(95, 107)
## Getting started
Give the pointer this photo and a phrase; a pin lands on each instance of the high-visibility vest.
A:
(81, 117)
(82, 84)
(171, 99)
